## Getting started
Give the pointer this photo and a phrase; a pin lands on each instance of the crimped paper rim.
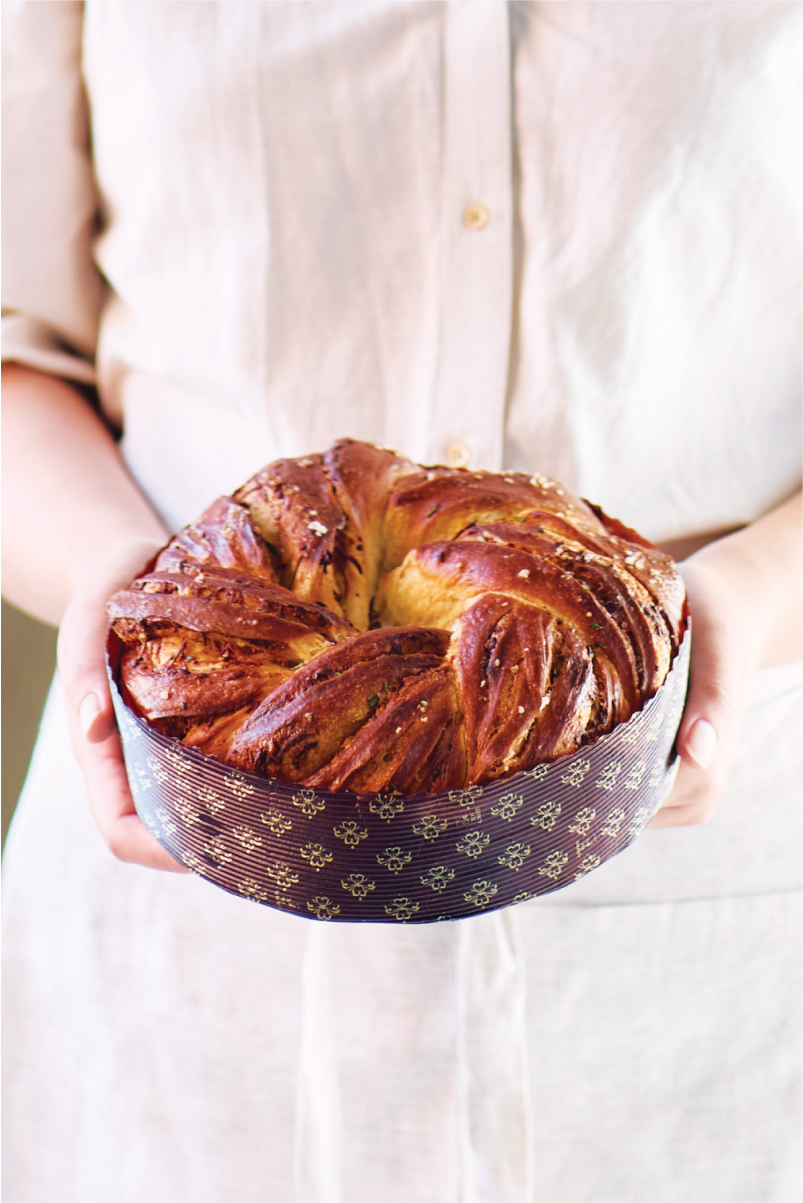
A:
(381, 858)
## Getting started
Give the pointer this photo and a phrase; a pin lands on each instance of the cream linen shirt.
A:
(554, 236)
(283, 196)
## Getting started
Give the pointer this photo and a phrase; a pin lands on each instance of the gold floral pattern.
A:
(317, 856)
(632, 733)
(276, 823)
(587, 864)
(322, 907)
(467, 796)
(153, 827)
(538, 772)
(508, 806)
(192, 862)
(473, 843)
(639, 821)
(127, 725)
(349, 832)
(239, 786)
(308, 802)
(394, 859)
(607, 778)
(157, 772)
(430, 827)
(252, 889)
(209, 797)
(141, 780)
(554, 864)
(634, 777)
(547, 816)
(358, 885)
(654, 732)
(246, 838)
(656, 774)
(176, 763)
(217, 850)
(514, 856)
(583, 820)
(470, 816)
(283, 875)
(386, 808)
(576, 772)
(438, 877)
(188, 814)
(164, 819)
(481, 892)
(402, 909)
(614, 821)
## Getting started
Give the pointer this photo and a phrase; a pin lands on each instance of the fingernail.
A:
(701, 743)
(88, 711)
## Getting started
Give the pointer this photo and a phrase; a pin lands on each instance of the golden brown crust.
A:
(518, 622)
(305, 722)
(294, 508)
(527, 685)
(413, 740)
(323, 517)
(224, 536)
(210, 641)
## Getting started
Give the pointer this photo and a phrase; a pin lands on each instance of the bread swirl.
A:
(354, 621)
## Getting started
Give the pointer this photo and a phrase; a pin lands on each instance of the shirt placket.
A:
(477, 275)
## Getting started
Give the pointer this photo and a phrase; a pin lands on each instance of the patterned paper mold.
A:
(383, 858)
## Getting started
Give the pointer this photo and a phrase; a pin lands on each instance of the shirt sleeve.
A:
(52, 289)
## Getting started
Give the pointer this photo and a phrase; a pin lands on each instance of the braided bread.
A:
(355, 621)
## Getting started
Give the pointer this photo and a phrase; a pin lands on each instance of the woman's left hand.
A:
(744, 594)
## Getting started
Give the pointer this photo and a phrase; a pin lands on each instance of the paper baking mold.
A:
(385, 858)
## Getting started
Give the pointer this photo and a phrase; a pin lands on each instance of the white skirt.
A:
(635, 1037)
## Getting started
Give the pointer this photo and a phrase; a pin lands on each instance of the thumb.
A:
(81, 649)
(82, 667)
(723, 655)
(710, 701)
(707, 716)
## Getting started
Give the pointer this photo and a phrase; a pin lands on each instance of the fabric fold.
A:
(495, 1106)
(318, 1138)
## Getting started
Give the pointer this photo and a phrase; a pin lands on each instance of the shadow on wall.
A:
(29, 658)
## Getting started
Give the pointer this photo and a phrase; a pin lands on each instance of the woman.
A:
(549, 237)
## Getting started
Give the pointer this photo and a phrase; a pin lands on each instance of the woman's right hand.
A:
(75, 529)
(95, 739)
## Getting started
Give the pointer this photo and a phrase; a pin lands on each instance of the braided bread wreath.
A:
(353, 621)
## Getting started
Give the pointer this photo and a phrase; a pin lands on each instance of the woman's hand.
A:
(745, 599)
(75, 529)
(96, 743)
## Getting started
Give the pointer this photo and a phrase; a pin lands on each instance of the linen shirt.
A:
(277, 201)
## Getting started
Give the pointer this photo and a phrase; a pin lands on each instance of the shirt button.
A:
(458, 455)
(476, 217)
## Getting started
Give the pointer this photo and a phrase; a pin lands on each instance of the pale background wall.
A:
(29, 656)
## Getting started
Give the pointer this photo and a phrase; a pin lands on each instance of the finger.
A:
(82, 669)
(711, 704)
(95, 711)
(722, 657)
(113, 807)
(82, 641)
(693, 799)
